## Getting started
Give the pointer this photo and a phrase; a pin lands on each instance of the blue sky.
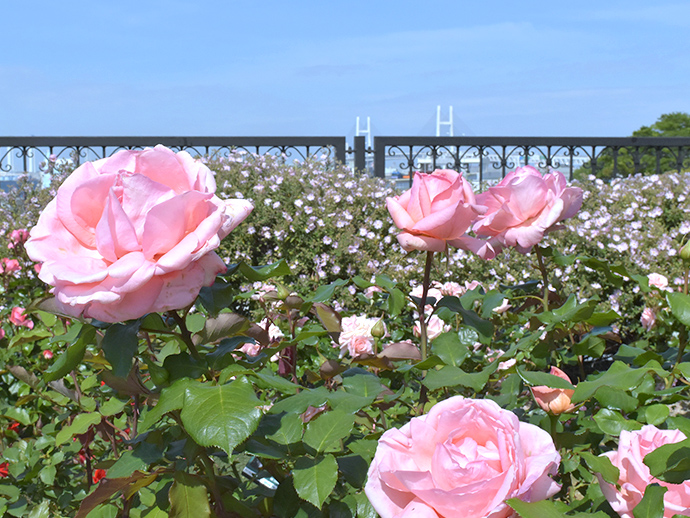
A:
(150, 67)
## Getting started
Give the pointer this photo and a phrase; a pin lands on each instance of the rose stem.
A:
(186, 335)
(422, 323)
(422, 303)
(545, 277)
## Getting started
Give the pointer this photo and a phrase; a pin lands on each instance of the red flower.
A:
(98, 474)
(14, 426)
(3, 470)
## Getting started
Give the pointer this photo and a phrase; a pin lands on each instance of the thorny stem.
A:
(186, 335)
(545, 278)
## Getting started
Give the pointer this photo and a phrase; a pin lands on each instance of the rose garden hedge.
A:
(285, 371)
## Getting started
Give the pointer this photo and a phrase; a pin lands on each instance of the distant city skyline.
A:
(243, 68)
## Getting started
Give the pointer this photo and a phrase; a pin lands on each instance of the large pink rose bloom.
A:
(635, 476)
(438, 209)
(133, 234)
(524, 206)
(466, 457)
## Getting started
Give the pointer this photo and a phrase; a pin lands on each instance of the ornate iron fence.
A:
(30, 150)
(490, 158)
(482, 159)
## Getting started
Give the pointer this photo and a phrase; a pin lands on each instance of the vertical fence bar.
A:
(379, 157)
(360, 162)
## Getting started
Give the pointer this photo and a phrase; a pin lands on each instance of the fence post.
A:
(360, 164)
(379, 158)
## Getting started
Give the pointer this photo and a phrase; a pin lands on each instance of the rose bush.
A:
(465, 455)
(635, 476)
(525, 206)
(132, 234)
(438, 209)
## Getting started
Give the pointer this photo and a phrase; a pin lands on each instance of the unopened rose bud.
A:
(48, 354)
(378, 330)
(684, 252)
(282, 292)
(554, 400)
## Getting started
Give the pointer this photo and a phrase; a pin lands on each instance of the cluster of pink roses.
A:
(441, 208)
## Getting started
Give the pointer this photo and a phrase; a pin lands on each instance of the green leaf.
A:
(221, 415)
(126, 465)
(680, 306)
(670, 462)
(112, 406)
(602, 464)
(28, 336)
(593, 346)
(171, 398)
(540, 509)
(396, 302)
(492, 299)
(269, 379)
(183, 365)
(218, 296)
(469, 317)
(260, 273)
(188, 497)
(656, 414)
(41, 511)
(616, 398)
(354, 468)
(326, 431)
(223, 326)
(613, 423)
(451, 347)
(72, 356)
(79, 425)
(603, 319)
(195, 322)
(324, 293)
(449, 376)
(385, 282)
(619, 375)
(652, 503)
(536, 379)
(365, 385)
(315, 479)
(290, 430)
(120, 344)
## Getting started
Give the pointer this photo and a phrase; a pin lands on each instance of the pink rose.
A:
(9, 265)
(132, 234)
(648, 319)
(18, 318)
(2, 333)
(434, 327)
(635, 475)
(452, 289)
(355, 336)
(438, 209)
(466, 457)
(657, 281)
(554, 400)
(524, 207)
(18, 237)
(48, 354)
